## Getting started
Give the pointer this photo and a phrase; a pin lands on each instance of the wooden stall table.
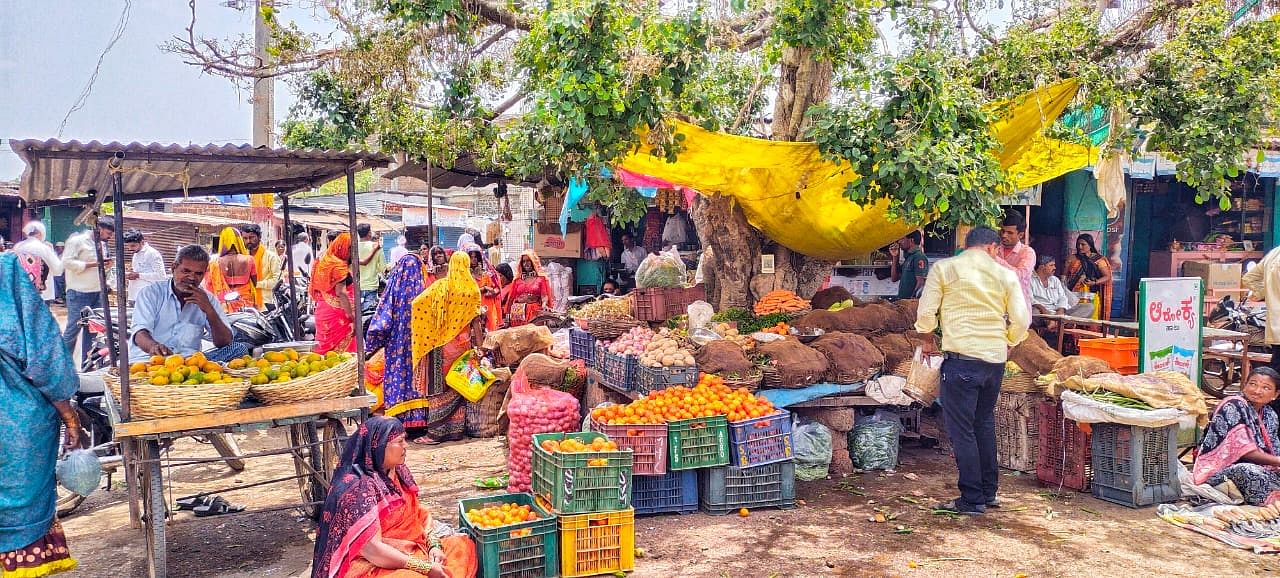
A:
(315, 439)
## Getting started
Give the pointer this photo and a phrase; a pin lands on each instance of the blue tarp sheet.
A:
(789, 397)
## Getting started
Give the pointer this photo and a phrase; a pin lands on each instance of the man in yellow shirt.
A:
(980, 308)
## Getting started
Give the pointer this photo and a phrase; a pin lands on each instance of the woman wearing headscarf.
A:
(39, 379)
(234, 270)
(437, 260)
(390, 332)
(331, 292)
(530, 292)
(487, 279)
(373, 526)
(446, 323)
(1240, 444)
(1088, 270)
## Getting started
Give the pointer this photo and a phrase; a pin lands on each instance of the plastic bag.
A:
(812, 451)
(469, 378)
(700, 313)
(79, 472)
(1088, 410)
(873, 441)
(664, 269)
(925, 378)
(532, 411)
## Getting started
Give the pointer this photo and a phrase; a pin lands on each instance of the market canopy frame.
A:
(73, 172)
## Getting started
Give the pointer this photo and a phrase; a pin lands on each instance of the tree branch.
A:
(963, 7)
(756, 37)
(497, 13)
(484, 45)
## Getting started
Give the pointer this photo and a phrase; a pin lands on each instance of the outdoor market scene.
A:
(603, 288)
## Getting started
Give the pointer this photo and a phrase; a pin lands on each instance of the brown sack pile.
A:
(852, 357)
(797, 364)
(820, 319)
(896, 347)
(722, 357)
(1034, 356)
(830, 296)
(874, 318)
(511, 346)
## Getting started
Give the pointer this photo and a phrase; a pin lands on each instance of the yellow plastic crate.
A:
(600, 543)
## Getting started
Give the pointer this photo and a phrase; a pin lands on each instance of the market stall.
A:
(154, 401)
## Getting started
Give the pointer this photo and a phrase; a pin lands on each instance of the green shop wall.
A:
(60, 222)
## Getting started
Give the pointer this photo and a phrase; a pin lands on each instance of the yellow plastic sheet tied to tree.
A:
(795, 197)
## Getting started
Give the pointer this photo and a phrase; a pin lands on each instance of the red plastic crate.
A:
(647, 442)
(1063, 458)
(761, 440)
(651, 304)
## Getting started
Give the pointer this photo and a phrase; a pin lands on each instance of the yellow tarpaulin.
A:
(765, 176)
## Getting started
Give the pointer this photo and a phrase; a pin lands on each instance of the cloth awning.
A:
(65, 171)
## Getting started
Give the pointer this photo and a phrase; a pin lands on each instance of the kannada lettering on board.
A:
(1170, 326)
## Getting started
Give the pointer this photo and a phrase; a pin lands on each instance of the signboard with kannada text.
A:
(1170, 327)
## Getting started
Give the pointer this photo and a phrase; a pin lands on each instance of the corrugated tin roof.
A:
(333, 222)
(66, 170)
(464, 173)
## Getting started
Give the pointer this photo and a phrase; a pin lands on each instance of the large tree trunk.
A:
(733, 275)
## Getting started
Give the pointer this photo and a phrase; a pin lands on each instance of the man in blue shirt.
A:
(172, 318)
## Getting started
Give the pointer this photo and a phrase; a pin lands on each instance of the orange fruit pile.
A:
(179, 370)
(709, 397)
(504, 515)
(573, 446)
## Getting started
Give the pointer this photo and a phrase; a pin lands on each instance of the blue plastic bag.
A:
(80, 472)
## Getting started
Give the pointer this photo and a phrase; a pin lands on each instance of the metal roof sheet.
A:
(58, 171)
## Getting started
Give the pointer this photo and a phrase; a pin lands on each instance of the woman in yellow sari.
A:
(234, 270)
(446, 323)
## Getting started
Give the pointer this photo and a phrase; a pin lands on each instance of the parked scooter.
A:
(1222, 377)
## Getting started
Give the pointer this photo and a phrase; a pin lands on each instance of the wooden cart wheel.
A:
(314, 464)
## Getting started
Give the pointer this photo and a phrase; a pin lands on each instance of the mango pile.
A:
(287, 365)
(179, 370)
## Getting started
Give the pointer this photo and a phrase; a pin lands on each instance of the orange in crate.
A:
(1121, 353)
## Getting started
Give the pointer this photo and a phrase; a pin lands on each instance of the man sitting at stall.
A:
(172, 318)
(1239, 446)
(1050, 296)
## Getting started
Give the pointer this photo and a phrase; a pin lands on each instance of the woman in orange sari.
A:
(487, 279)
(1088, 270)
(331, 291)
(530, 292)
(234, 270)
(372, 525)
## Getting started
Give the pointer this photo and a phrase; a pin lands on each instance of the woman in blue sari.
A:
(37, 380)
(389, 330)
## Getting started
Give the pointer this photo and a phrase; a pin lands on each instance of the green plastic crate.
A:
(701, 442)
(571, 486)
(501, 555)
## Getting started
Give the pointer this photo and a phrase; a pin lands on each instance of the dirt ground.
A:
(1036, 533)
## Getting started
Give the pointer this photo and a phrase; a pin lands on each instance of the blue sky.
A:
(48, 49)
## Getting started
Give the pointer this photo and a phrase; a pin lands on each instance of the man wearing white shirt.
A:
(39, 252)
(302, 255)
(80, 264)
(146, 267)
(632, 255)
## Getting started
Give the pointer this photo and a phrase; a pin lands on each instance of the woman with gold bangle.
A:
(372, 525)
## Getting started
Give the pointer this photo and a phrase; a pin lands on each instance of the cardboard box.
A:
(1215, 275)
(548, 242)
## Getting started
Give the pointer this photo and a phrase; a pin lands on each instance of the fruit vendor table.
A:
(315, 437)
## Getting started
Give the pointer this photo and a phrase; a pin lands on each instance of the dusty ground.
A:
(1036, 534)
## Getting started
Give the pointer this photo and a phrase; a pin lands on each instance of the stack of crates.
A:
(525, 549)
(1062, 458)
(761, 472)
(591, 493)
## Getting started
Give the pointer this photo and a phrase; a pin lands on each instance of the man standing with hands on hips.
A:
(979, 306)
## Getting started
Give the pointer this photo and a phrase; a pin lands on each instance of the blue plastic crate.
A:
(1135, 466)
(761, 440)
(674, 492)
(582, 345)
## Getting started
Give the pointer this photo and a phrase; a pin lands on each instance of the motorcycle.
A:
(1222, 377)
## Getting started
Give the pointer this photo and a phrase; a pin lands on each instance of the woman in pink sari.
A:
(331, 291)
(530, 293)
(1239, 445)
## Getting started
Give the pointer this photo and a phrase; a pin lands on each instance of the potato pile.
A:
(730, 334)
(666, 352)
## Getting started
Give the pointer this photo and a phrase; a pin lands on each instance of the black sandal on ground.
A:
(193, 502)
(217, 507)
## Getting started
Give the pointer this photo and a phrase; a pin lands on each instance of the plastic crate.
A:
(571, 486)
(1121, 353)
(761, 440)
(651, 379)
(582, 345)
(648, 444)
(599, 543)
(701, 442)
(1017, 435)
(500, 554)
(728, 489)
(674, 492)
(1063, 456)
(619, 371)
(1135, 466)
(651, 304)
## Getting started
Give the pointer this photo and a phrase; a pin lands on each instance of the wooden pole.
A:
(357, 323)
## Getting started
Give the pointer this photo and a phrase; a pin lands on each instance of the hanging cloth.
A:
(598, 235)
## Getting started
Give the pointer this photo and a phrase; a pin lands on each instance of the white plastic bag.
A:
(665, 269)
(700, 313)
(1087, 410)
(812, 451)
(79, 472)
(889, 390)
